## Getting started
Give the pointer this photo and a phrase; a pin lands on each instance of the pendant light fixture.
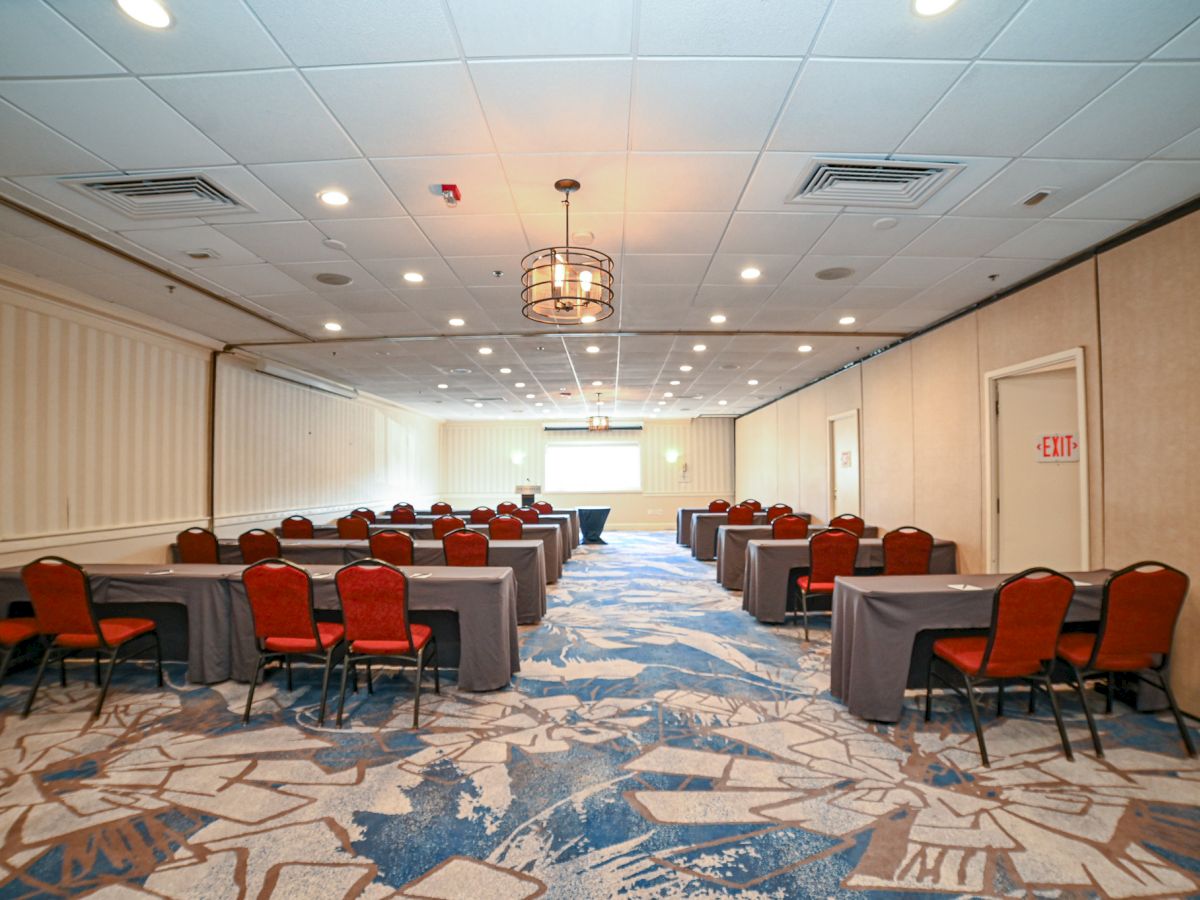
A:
(567, 285)
(597, 422)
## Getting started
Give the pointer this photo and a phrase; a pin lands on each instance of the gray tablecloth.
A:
(704, 532)
(768, 564)
(424, 515)
(683, 523)
(731, 549)
(876, 621)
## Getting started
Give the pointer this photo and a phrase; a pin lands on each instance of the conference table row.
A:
(202, 612)
(567, 519)
(733, 549)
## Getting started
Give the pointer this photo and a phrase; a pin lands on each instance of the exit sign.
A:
(1054, 448)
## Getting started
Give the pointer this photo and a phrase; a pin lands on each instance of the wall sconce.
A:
(672, 456)
(518, 457)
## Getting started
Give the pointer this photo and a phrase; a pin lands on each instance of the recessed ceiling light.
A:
(685, 368)
(752, 382)
(597, 383)
(805, 348)
(718, 319)
(442, 387)
(539, 404)
(333, 198)
(587, 320)
(519, 384)
(675, 382)
(699, 348)
(530, 397)
(592, 348)
(506, 371)
(149, 12)
(414, 277)
(457, 323)
(460, 371)
(834, 273)
(662, 402)
(485, 351)
(669, 394)
(932, 7)
(847, 320)
(722, 403)
(477, 405)
(750, 273)
(333, 326)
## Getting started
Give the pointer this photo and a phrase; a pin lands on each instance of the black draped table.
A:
(591, 522)
(732, 541)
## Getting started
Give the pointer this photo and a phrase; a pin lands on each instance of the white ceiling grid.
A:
(688, 122)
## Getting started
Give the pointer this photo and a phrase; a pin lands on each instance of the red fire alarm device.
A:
(451, 194)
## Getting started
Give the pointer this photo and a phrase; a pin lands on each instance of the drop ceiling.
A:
(689, 123)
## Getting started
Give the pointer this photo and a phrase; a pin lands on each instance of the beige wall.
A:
(1134, 312)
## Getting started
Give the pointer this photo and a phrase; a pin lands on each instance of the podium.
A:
(527, 492)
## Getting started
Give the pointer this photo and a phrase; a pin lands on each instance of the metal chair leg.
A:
(325, 684)
(1058, 720)
(287, 661)
(8, 655)
(37, 680)
(108, 673)
(437, 681)
(62, 671)
(346, 664)
(1183, 731)
(158, 657)
(804, 611)
(370, 685)
(929, 688)
(253, 684)
(417, 687)
(1000, 701)
(1087, 711)
(1108, 695)
(975, 717)
(96, 656)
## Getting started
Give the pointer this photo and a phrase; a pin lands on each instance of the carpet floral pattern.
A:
(658, 743)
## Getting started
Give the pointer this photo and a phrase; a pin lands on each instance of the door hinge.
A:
(997, 406)
(997, 506)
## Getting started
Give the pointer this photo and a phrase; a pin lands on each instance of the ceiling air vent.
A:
(160, 196)
(872, 182)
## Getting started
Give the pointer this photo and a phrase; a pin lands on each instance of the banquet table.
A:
(769, 565)
(684, 526)
(731, 549)
(220, 635)
(572, 516)
(704, 532)
(526, 558)
(876, 623)
(591, 522)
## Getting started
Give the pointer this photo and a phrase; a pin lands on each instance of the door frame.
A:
(831, 446)
(1066, 359)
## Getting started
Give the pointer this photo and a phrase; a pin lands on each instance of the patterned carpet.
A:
(659, 743)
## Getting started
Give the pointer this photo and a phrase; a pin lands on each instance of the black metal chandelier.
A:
(567, 285)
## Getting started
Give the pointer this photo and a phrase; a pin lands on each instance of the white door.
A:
(843, 441)
(1037, 470)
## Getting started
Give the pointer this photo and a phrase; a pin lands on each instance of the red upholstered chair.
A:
(830, 554)
(718, 506)
(281, 605)
(527, 514)
(1027, 615)
(297, 528)
(753, 504)
(441, 508)
(353, 528)
(446, 524)
(368, 514)
(776, 510)
(465, 548)
(393, 547)
(789, 528)
(198, 545)
(66, 618)
(741, 515)
(403, 505)
(1138, 614)
(403, 515)
(257, 545)
(850, 523)
(906, 551)
(506, 507)
(14, 633)
(481, 515)
(374, 598)
(506, 528)
(542, 506)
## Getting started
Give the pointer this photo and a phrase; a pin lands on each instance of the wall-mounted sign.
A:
(1055, 448)
(845, 460)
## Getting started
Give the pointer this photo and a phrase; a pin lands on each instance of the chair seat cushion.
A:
(966, 655)
(1076, 648)
(420, 635)
(115, 631)
(13, 631)
(814, 587)
(330, 632)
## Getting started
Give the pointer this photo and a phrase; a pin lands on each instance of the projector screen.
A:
(593, 468)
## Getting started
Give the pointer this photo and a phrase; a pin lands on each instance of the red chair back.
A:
(506, 528)
(403, 515)
(280, 596)
(718, 506)
(445, 525)
(297, 528)
(789, 527)
(741, 515)
(543, 507)
(368, 514)
(527, 514)
(441, 508)
(198, 545)
(1027, 616)
(1140, 608)
(393, 547)
(257, 545)
(403, 505)
(353, 528)
(506, 507)
(848, 522)
(481, 515)
(832, 553)
(374, 598)
(753, 504)
(62, 597)
(906, 551)
(776, 510)
(465, 548)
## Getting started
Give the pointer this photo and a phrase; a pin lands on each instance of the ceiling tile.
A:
(860, 105)
(804, 275)
(372, 301)
(719, 28)
(808, 294)
(38, 41)
(868, 28)
(276, 116)
(1090, 29)
(662, 182)
(672, 232)
(172, 244)
(601, 176)
(775, 177)
(255, 279)
(205, 36)
(914, 271)
(390, 272)
(1187, 147)
(543, 27)
(118, 119)
(299, 183)
(727, 268)
(342, 32)
(664, 268)
(417, 109)
(988, 110)
(731, 297)
(707, 104)
(377, 238)
(549, 229)
(555, 105)
(297, 303)
(1141, 192)
(476, 235)
(963, 236)
(1059, 238)
(779, 233)
(27, 147)
(478, 271)
(1068, 180)
(859, 234)
(306, 274)
(282, 242)
(417, 182)
(1185, 46)
(976, 281)
(876, 297)
(1149, 108)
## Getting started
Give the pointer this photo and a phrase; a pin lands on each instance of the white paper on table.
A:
(161, 572)
(1082, 583)
(966, 587)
